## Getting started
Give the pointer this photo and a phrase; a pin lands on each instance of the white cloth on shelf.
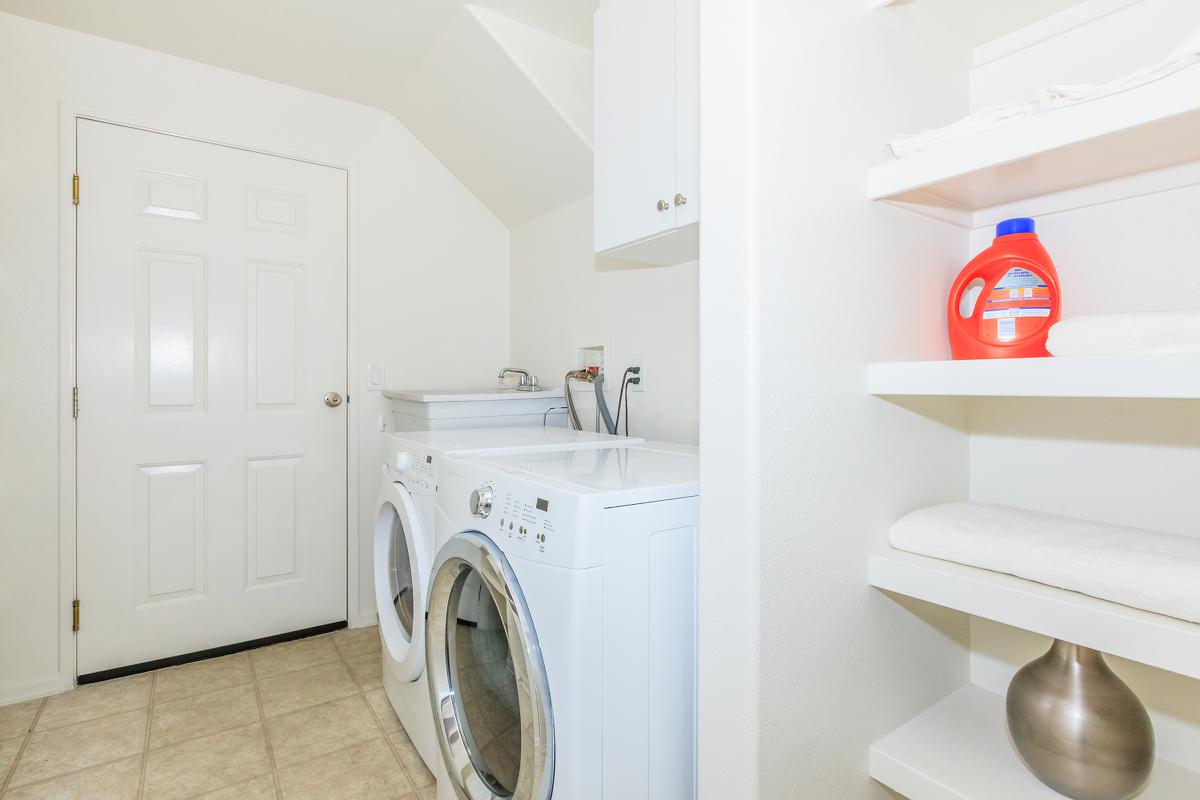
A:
(1185, 55)
(1126, 334)
(904, 146)
(1045, 100)
(1153, 571)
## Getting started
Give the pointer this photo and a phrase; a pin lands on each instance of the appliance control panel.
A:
(422, 472)
(528, 519)
(415, 467)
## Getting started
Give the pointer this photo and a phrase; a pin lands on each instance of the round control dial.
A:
(481, 501)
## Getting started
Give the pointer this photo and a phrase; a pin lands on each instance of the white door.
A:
(211, 472)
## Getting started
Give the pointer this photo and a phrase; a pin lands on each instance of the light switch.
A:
(375, 377)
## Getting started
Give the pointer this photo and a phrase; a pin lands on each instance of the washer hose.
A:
(572, 416)
(587, 376)
(602, 404)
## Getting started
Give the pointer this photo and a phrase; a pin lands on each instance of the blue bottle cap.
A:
(1017, 225)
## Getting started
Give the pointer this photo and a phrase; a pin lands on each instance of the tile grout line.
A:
(146, 744)
(262, 720)
(12, 770)
(387, 737)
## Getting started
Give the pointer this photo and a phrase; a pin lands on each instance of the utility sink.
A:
(490, 407)
(469, 395)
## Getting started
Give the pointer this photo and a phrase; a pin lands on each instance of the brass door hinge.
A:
(75, 402)
(75, 189)
(75, 615)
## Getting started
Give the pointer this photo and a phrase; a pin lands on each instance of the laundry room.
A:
(363, 362)
(245, 247)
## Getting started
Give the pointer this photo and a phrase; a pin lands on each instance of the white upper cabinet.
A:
(646, 130)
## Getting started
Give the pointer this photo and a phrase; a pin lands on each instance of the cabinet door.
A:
(687, 111)
(635, 132)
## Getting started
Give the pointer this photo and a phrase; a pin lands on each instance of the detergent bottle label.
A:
(1018, 306)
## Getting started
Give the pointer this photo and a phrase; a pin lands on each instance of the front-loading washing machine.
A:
(561, 631)
(404, 548)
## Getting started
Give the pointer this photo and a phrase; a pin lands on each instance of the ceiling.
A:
(516, 134)
(567, 19)
(976, 23)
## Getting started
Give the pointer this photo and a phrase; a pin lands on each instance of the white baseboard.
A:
(18, 691)
(364, 620)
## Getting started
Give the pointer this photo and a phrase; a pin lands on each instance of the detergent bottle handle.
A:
(975, 271)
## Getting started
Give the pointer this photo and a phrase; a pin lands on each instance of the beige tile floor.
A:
(303, 720)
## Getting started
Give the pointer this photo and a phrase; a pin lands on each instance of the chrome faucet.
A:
(529, 383)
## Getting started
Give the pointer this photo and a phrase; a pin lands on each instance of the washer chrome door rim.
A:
(405, 650)
(466, 552)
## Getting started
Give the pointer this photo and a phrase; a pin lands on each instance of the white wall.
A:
(417, 236)
(832, 282)
(564, 298)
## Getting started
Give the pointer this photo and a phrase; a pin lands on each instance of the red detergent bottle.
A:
(1004, 302)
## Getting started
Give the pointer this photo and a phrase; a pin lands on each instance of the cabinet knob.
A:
(680, 200)
(663, 205)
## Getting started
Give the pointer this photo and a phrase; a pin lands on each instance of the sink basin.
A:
(469, 395)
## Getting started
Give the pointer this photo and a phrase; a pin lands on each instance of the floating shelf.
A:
(1143, 129)
(1163, 642)
(959, 750)
(1159, 376)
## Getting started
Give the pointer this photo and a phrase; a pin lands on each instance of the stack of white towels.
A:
(1047, 99)
(1150, 333)
(1150, 570)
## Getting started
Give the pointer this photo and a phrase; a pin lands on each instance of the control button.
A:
(481, 501)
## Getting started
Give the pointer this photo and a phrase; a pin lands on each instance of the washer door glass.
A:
(400, 582)
(400, 576)
(487, 678)
(481, 670)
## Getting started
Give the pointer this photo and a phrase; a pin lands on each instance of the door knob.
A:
(663, 205)
(333, 399)
(680, 200)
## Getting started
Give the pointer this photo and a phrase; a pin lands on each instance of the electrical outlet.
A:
(640, 386)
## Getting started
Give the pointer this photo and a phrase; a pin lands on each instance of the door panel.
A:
(170, 531)
(170, 334)
(211, 322)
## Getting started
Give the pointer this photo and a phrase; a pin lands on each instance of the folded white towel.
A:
(1047, 99)
(1154, 571)
(1126, 334)
(1185, 55)
(911, 144)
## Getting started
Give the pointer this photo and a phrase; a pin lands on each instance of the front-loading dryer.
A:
(404, 549)
(561, 635)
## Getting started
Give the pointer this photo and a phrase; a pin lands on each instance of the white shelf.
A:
(1163, 642)
(1147, 128)
(1159, 376)
(959, 750)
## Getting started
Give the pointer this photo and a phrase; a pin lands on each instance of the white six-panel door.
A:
(211, 472)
